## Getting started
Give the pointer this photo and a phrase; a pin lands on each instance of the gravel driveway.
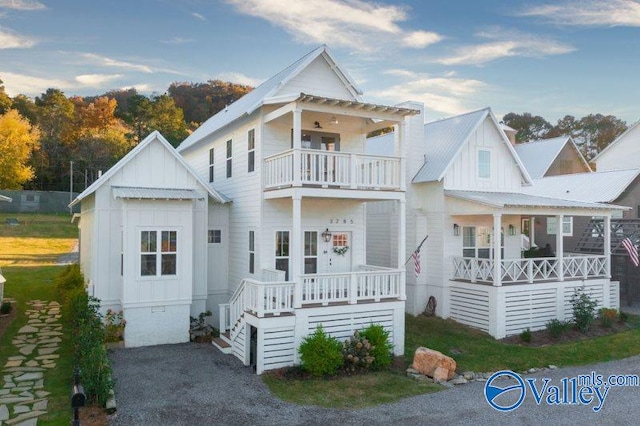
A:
(195, 384)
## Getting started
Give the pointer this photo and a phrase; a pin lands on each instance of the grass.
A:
(359, 391)
(27, 258)
(476, 351)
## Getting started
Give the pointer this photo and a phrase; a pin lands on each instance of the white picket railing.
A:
(331, 168)
(529, 270)
(273, 298)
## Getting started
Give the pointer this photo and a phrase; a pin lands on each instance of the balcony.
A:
(543, 269)
(326, 169)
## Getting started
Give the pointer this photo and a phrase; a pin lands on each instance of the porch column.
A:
(497, 252)
(607, 245)
(399, 151)
(297, 145)
(560, 247)
(402, 247)
(296, 249)
(532, 232)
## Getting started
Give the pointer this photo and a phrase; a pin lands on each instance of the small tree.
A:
(583, 310)
(320, 353)
(18, 138)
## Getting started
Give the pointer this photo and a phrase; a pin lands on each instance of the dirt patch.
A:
(93, 416)
(7, 319)
(544, 337)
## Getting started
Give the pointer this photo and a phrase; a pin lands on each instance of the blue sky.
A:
(548, 58)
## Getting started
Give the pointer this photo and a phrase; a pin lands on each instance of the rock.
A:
(412, 370)
(553, 367)
(24, 417)
(434, 364)
(421, 378)
(26, 350)
(4, 413)
(14, 363)
(460, 380)
(40, 405)
(27, 329)
(28, 376)
(19, 409)
(468, 375)
(532, 370)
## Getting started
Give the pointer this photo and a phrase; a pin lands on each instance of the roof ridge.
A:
(458, 115)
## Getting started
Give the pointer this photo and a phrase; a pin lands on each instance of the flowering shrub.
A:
(320, 354)
(357, 353)
(114, 324)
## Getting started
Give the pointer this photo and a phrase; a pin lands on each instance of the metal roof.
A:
(539, 155)
(3, 198)
(600, 187)
(155, 193)
(254, 99)
(514, 199)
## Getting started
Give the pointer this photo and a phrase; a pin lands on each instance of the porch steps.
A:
(222, 344)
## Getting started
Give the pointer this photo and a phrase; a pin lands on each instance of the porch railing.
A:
(330, 168)
(529, 270)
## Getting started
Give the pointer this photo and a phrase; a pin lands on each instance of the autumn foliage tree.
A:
(18, 139)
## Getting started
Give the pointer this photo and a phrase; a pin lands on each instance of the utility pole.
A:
(71, 188)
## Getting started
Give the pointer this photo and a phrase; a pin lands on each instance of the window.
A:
(282, 252)
(567, 225)
(211, 158)
(310, 252)
(484, 164)
(476, 242)
(252, 252)
(156, 257)
(214, 236)
(229, 159)
(251, 147)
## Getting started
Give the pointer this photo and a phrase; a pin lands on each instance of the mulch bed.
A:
(544, 338)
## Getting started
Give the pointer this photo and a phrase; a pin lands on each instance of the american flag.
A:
(416, 262)
(632, 250)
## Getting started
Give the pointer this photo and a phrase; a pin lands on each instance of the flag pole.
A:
(418, 249)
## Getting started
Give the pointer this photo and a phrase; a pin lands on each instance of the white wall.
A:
(625, 154)
(463, 173)
(317, 79)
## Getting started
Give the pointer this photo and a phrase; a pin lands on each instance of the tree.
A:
(528, 126)
(26, 107)
(597, 131)
(566, 126)
(18, 139)
(5, 100)
(159, 113)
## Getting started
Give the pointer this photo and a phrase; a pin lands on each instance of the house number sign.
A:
(336, 221)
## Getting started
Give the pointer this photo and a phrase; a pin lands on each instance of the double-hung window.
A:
(158, 253)
(229, 157)
(484, 164)
(567, 225)
(282, 252)
(211, 162)
(252, 252)
(251, 148)
(214, 236)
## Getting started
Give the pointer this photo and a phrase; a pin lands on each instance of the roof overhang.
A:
(135, 193)
(3, 198)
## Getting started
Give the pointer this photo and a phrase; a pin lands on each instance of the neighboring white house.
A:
(467, 196)
(551, 157)
(622, 153)
(287, 252)
(143, 241)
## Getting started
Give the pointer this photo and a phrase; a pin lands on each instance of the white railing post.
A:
(474, 269)
(353, 289)
(353, 171)
(223, 317)
(560, 246)
(530, 270)
(607, 245)
(497, 249)
(297, 146)
(585, 266)
(297, 294)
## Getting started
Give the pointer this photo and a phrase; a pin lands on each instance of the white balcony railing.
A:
(529, 270)
(330, 168)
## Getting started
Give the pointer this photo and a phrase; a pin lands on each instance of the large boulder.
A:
(434, 364)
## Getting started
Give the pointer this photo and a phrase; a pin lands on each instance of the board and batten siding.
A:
(624, 154)
(318, 79)
(382, 233)
(463, 173)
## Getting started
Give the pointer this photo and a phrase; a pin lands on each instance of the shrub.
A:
(607, 316)
(525, 336)
(91, 363)
(69, 279)
(357, 353)
(114, 324)
(382, 351)
(583, 310)
(555, 327)
(623, 317)
(320, 354)
(5, 308)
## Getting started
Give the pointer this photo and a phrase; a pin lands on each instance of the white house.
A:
(466, 194)
(284, 249)
(622, 153)
(552, 157)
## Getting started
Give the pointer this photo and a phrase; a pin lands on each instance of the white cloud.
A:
(22, 5)
(446, 94)
(109, 62)
(96, 80)
(29, 85)
(349, 23)
(504, 44)
(239, 78)
(178, 40)
(589, 12)
(199, 16)
(11, 40)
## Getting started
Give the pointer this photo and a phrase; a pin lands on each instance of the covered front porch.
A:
(495, 284)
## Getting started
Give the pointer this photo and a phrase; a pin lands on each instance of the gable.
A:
(622, 153)
(568, 161)
(318, 78)
(486, 140)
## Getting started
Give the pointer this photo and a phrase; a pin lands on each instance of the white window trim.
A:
(211, 168)
(552, 226)
(229, 161)
(212, 230)
(158, 254)
(275, 257)
(251, 150)
(478, 151)
(252, 251)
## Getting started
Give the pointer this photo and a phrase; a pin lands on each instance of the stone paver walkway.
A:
(22, 395)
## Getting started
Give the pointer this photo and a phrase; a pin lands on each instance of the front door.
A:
(337, 253)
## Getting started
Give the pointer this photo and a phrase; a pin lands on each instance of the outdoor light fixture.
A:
(317, 125)
(512, 230)
(456, 229)
(326, 236)
(333, 121)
